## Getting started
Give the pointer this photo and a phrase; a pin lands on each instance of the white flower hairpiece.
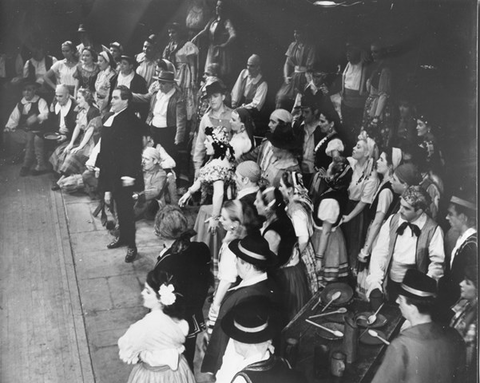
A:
(167, 295)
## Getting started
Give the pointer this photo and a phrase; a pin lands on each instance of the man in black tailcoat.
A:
(120, 163)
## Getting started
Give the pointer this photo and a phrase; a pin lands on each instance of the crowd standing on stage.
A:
(344, 187)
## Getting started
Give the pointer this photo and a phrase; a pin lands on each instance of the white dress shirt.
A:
(160, 110)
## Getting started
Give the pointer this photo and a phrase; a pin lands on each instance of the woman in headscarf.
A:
(106, 64)
(361, 192)
(242, 125)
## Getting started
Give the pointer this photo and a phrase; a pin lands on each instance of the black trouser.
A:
(166, 138)
(126, 217)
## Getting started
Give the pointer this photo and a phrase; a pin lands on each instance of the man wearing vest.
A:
(26, 118)
(407, 240)
(168, 115)
(35, 69)
(251, 326)
(251, 89)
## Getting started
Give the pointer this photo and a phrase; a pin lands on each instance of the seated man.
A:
(26, 118)
(426, 351)
(252, 326)
(407, 240)
(250, 89)
(155, 178)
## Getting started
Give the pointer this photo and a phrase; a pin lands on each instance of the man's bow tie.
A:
(414, 228)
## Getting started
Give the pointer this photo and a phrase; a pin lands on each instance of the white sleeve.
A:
(259, 98)
(329, 210)
(166, 161)
(43, 110)
(379, 259)
(14, 119)
(436, 254)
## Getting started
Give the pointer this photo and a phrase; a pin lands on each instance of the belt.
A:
(300, 69)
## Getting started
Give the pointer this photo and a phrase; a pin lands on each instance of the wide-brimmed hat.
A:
(24, 82)
(81, 28)
(282, 137)
(214, 85)
(253, 249)
(418, 285)
(251, 321)
(165, 76)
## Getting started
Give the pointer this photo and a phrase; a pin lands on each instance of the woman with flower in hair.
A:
(361, 192)
(189, 263)
(155, 343)
(281, 236)
(215, 179)
(328, 240)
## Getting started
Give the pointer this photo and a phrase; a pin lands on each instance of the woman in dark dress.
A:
(189, 263)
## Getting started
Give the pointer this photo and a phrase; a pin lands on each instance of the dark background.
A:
(433, 45)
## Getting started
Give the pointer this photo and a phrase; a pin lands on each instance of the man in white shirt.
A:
(147, 59)
(36, 67)
(407, 240)
(250, 89)
(26, 118)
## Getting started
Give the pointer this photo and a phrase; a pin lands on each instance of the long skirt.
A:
(308, 258)
(355, 233)
(293, 283)
(144, 373)
(214, 242)
(335, 259)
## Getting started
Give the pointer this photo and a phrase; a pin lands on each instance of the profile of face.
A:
(116, 53)
(353, 55)
(148, 48)
(382, 164)
(468, 290)
(403, 306)
(260, 206)
(235, 122)
(62, 96)
(38, 53)
(67, 52)
(273, 123)
(87, 57)
(454, 219)
(298, 36)
(102, 63)
(325, 125)
(408, 212)
(216, 100)
(308, 115)
(219, 8)
(209, 146)
(360, 150)
(29, 92)
(225, 220)
(125, 67)
(398, 186)
(239, 183)
(242, 268)
(82, 103)
(117, 103)
(148, 163)
(173, 34)
(286, 191)
(150, 299)
(422, 128)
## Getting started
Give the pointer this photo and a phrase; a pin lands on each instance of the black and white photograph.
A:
(239, 191)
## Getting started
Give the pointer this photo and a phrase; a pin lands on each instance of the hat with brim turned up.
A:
(253, 249)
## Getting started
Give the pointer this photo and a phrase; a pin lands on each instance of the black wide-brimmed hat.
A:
(251, 321)
(283, 137)
(128, 58)
(24, 82)
(418, 285)
(214, 85)
(253, 249)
